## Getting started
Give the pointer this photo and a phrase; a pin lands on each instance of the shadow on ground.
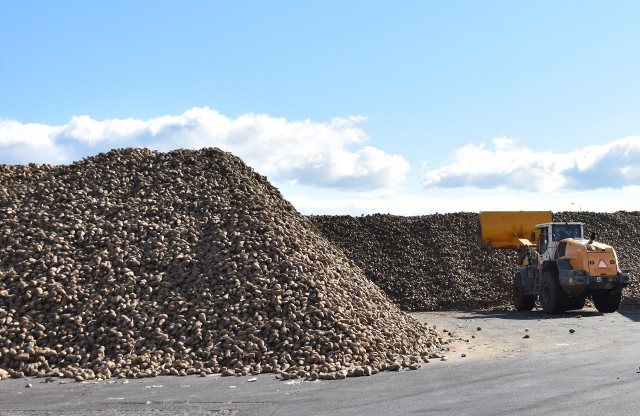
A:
(631, 312)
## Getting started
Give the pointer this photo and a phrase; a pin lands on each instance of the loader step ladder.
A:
(536, 280)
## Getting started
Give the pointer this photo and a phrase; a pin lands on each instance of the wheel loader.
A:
(556, 264)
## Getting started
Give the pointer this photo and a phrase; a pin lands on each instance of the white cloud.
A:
(307, 152)
(18, 142)
(92, 132)
(509, 165)
(466, 200)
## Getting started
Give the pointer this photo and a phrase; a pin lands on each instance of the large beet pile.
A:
(433, 262)
(136, 263)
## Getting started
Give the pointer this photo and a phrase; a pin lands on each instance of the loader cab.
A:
(554, 232)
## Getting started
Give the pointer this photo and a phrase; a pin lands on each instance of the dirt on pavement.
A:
(482, 335)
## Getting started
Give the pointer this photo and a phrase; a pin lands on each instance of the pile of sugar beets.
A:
(135, 263)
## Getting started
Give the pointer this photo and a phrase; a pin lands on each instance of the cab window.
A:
(543, 242)
(562, 231)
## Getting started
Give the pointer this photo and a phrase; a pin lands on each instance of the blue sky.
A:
(407, 107)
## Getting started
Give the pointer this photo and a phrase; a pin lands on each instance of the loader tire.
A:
(607, 301)
(576, 303)
(552, 298)
(521, 301)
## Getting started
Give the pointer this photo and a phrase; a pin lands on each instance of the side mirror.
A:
(592, 237)
(533, 236)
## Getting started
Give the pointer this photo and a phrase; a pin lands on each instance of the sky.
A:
(348, 107)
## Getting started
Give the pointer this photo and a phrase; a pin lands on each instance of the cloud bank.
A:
(510, 166)
(330, 155)
(334, 156)
(465, 200)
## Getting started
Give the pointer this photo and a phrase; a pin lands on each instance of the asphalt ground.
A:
(498, 363)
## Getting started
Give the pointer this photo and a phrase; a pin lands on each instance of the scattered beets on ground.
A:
(136, 263)
(433, 262)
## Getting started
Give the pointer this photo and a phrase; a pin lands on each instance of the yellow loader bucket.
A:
(509, 229)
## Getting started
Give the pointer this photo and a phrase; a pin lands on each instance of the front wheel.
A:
(606, 301)
(521, 301)
(552, 298)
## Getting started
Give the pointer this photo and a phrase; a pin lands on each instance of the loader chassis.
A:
(555, 263)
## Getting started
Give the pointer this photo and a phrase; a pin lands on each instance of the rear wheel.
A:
(576, 303)
(552, 297)
(606, 301)
(521, 301)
